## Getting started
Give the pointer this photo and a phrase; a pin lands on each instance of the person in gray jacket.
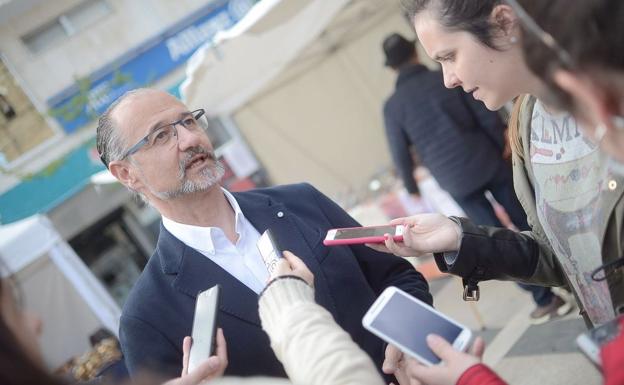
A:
(461, 142)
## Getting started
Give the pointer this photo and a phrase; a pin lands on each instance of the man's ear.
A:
(125, 174)
(596, 108)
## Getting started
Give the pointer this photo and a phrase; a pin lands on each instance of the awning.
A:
(227, 72)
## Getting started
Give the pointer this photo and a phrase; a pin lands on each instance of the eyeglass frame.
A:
(545, 37)
(196, 114)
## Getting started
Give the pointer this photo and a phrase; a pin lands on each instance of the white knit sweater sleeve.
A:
(306, 339)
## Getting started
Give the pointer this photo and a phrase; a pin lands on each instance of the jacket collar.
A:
(409, 72)
(196, 273)
(203, 238)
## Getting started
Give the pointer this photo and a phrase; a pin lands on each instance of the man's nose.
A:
(189, 138)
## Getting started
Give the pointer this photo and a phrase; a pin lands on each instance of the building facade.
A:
(62, 64)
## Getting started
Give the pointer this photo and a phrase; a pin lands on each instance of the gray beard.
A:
(208, 177)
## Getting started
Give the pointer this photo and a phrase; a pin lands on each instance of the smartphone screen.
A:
(364, 232)
(204, 326)
(409, 323)
(270, 251)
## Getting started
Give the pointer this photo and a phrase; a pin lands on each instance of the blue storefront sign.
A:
(79, 104)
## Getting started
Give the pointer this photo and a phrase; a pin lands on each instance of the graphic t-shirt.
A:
(571, 175)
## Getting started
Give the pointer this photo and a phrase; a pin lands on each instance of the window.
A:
(6, 108)
(69, 23)
(22, 128)
(217, 133)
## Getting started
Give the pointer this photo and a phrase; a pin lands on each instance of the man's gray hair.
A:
(109, 142)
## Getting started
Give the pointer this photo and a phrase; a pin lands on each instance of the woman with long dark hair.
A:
(571, 195)
(20, 359)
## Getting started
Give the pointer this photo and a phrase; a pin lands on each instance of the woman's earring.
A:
(600, 132)
(618, 122)
(513, 40)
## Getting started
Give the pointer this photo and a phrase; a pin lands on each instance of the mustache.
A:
(190, 153)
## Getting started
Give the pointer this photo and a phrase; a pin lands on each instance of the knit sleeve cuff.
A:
(280, 295)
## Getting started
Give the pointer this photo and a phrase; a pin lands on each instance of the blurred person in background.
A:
(459, 140)
(461, 143)
(573, 201)
(21, 361)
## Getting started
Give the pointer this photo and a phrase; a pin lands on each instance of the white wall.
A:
(326, 126)
(129, 25)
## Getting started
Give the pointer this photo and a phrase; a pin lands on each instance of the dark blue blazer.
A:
(159, 311)
(455, 136)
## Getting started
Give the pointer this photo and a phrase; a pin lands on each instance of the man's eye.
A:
(161, 136)
(188, 122)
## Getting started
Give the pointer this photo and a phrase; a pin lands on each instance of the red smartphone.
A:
(359, 235)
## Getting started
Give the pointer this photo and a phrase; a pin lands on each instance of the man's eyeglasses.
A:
(166, 136)
(542, 35)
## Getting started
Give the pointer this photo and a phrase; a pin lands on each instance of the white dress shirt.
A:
(242, 260)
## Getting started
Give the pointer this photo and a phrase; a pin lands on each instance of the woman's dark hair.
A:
(16, 367)
(590, 31)
(472, 16)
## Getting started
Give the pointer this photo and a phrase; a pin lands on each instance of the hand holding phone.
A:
(592, 341)
(453, 366)
(204, 326)
(360, 235)
(405, 322)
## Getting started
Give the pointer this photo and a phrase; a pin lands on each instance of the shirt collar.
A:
(203, 238)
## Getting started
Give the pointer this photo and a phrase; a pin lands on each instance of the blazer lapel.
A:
(196, 273)
(292, 234)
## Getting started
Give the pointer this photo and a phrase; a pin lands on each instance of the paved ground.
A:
(523, 354)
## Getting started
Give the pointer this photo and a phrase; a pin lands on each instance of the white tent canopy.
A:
(220, 75)
(58, 286)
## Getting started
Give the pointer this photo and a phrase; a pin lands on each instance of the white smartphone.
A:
(592, 340)
(359, 235)
(204, 327)
(404, 321)
(270, 250)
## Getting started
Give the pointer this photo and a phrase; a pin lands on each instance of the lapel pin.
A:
(612, 185)
(280, 214)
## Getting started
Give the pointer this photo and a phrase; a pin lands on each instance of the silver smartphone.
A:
(404, 321)
(270, 250)
(592, 340)
(204, 326)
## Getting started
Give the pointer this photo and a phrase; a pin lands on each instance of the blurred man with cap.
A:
(459, 140)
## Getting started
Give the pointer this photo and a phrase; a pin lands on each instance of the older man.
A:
(158, 148)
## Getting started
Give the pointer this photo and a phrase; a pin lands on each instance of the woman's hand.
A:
(454, 363)
(423, 234)
(212, 368)
(293, 265)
